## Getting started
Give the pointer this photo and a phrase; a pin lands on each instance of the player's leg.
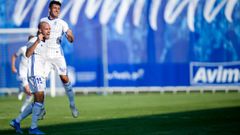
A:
(37, 107)
(60, 65)
(15, 123)
(42, 114)
(26, 108)
(68, 89)
(43, 111)
(39, 86)
(20, 92)
(27, 90)
(36, 110)
(27, 101)
(47, 68)
(69, 92)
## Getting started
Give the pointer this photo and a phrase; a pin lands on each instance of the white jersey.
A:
(58, 28)
(23, 59)
(54, 52)
(37, 62)
(23, 66)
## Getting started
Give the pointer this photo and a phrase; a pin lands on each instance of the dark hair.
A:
(54, 2)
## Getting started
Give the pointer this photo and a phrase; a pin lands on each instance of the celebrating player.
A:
(55, 55)
(37, 79)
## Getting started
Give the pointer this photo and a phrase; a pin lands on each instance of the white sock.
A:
(21, 92)
(27, 111)
(36, 110)
(69, 92)
(27, 101)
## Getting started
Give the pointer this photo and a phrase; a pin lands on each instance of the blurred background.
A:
(134, 43)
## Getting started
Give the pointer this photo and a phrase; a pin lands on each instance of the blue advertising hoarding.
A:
(149, 42)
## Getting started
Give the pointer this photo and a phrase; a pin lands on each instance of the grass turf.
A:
(142, 114)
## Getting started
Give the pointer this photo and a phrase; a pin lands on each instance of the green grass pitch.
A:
(131, 114)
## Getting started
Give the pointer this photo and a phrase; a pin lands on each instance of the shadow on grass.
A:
(224, 121)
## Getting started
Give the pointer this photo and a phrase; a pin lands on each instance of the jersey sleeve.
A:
(65, 26)
(19, 52)
(31, 41)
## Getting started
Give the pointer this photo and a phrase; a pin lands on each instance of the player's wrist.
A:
(38, 40)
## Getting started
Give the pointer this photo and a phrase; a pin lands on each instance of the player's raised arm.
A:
(43, 33)
(31, 49)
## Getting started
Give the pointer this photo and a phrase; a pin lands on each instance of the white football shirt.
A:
(22, 54)
(58, 28)
(37, 62)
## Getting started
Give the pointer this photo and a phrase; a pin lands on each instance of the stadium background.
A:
(151, 45)
(134, 42)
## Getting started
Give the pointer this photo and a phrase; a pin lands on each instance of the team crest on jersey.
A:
(55, 23)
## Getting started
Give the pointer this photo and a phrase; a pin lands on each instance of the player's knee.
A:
(64, 79)
(39, 97)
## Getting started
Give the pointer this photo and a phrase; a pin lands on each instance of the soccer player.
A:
(59, 28)
(37, 79)
(22, 74)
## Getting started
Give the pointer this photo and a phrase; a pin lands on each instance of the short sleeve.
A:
(65, 26)
(20, 51)
(31, 41)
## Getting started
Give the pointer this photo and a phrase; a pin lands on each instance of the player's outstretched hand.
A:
(14, 70)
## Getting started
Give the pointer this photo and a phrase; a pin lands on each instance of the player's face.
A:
(54, 10)
(46, 30)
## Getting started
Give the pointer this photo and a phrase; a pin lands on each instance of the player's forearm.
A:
(70, 36)
(13, 60)
(31, 49)
(70, 39)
